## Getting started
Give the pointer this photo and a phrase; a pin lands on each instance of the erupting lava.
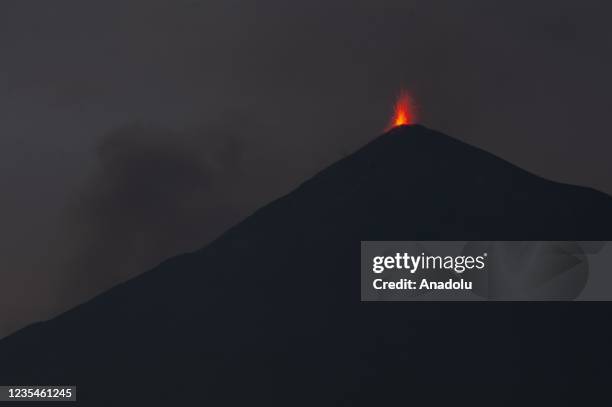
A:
(404, 111)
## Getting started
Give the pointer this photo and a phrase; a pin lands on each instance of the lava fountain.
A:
(403, 112)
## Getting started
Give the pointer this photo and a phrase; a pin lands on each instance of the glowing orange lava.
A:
(404, 111)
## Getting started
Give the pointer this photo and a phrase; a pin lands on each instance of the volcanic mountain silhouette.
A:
(270, 312)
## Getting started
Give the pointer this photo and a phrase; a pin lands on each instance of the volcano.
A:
(270, 312)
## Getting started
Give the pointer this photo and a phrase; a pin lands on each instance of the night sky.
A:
(134, 131)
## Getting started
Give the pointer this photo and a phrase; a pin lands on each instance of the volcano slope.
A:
(270, 312)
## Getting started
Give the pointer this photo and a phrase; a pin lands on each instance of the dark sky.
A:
(131, 131)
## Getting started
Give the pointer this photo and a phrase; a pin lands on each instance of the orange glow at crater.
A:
(404, 111)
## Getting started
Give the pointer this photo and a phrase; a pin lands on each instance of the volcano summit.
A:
(270, 312)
